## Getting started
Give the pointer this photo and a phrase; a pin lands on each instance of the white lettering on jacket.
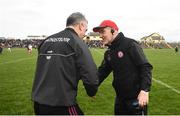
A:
(57, 40)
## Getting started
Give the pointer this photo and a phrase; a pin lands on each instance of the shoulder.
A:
(131, 42)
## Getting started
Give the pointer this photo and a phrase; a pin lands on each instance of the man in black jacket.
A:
(131, 70)
(63, 59)
(1, 49)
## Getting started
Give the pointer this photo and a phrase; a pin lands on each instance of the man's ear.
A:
(81, 26)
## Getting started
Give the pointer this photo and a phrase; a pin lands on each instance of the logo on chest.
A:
(120, 54)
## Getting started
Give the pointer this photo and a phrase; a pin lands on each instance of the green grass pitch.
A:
(17, 74)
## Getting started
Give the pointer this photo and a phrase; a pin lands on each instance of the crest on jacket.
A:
(120, 54)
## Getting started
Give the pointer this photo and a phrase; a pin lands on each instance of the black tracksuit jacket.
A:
(63, 59)
(131, 69)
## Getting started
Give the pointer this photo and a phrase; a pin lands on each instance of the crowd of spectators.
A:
(94, 44)
(18, 43)
(35, 43)
(6, 43)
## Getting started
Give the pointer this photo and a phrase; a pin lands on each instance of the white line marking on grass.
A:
(157, 81)
(166, 85)
(14, 61)
(98, 51)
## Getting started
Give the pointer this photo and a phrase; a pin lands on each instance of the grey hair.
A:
(75, 18)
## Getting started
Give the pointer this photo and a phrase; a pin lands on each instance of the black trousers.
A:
(128, 107)
(41, 109)
(1, 50)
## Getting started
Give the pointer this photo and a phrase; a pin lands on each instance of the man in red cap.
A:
(131, 70)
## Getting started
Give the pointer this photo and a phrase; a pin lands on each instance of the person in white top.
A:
(30, 49)
(9, 48)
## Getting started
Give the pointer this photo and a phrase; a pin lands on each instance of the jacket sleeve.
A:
(87, 69)
(104, 69)
(144, 67)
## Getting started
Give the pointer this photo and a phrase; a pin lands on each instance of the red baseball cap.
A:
(106, 23)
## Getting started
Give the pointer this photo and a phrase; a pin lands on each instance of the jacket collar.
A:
(118, 39)
(72, 30)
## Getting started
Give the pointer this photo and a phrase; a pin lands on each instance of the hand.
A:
(143, 98)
